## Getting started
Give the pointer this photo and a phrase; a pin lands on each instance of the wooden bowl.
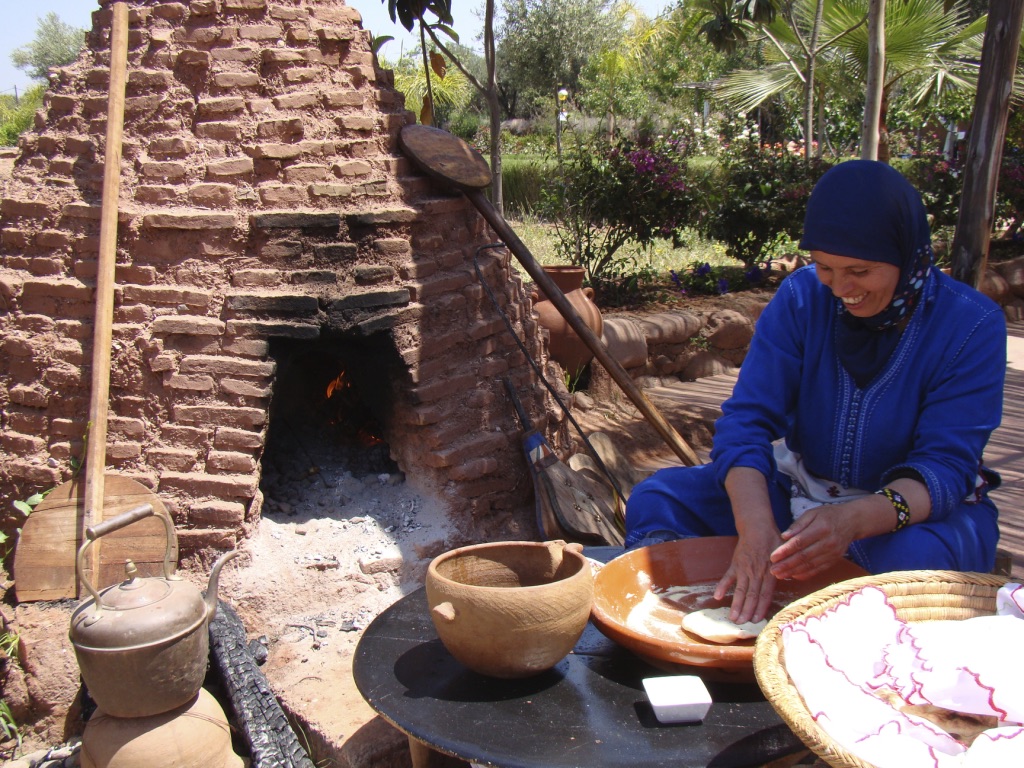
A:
(640, 599)
(510, 609)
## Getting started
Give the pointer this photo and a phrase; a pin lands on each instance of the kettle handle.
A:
(116, 523)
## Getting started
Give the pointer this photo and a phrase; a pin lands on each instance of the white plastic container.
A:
(678, 698)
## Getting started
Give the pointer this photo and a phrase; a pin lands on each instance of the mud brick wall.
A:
(262, 197)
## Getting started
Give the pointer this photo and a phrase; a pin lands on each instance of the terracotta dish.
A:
(640, 599)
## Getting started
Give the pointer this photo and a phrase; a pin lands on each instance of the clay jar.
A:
(565, 346)
(510, 609)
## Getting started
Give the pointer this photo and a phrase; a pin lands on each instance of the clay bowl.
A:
(640, 599)
(510, 609)
(195, 735)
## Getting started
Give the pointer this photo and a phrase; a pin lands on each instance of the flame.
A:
(339, 383)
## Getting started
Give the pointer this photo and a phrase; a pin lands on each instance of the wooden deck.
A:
(1005, 452)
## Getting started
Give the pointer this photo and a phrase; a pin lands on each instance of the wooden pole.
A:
(96, 451)
(969, 251)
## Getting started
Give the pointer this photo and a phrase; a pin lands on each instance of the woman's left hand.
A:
(814, 542)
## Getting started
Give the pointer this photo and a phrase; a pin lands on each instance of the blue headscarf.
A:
(864, 209)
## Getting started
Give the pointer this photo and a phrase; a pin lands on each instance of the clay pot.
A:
(565, 346)
(510, 609)
(195, 735)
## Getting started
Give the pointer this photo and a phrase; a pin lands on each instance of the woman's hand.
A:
(815, 542)
(750, 575)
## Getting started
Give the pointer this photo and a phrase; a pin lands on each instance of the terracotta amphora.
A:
(565, 346)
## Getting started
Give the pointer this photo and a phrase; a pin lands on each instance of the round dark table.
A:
(589, 710)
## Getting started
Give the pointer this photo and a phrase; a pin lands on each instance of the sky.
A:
(20, 20)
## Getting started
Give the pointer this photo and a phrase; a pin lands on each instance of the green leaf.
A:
(22, 507)
(34, 499)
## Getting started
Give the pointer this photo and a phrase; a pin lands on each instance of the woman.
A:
(858, 420)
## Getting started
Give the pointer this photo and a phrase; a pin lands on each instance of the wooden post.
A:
(969, 252)
(96, 451)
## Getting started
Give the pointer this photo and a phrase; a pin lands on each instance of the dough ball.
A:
(713, 624)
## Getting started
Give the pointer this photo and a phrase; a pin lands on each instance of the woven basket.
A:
(917, 596)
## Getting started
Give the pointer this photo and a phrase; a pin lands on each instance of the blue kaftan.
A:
(928, 414)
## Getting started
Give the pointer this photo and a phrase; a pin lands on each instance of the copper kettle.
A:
(143, 644)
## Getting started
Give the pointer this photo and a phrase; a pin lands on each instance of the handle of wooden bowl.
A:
(445, 612)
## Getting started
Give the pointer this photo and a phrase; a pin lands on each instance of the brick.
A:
(383, 216)
(304, 75)
(52, 238)
(176, 435)
(441, 388)
(219, 131)
(313, 277)
(282, 249)
(159, 295)
(357, 122)
(280, 129)
(191, 383)
(219, 366)
(17, 347)
(274, 151)
(256, 278)
(226, 415)
(303, 100)
(481, 445)
(155, 194)
(276, 195)
(245, 5)
(170, 11)
(17, 443)
(372, 299)
(242, 54)
(162, 170)
(284, 13)
(217, 514)
(120, 451)
(335, 191)
(13, 209)
(230, 462)
(295, 220)
(165, 361)
(212, 195)
(260, 32)
(32, 473)
(345, 98)
(241, 347)
(446, 283)
(231, 80)
(197, 539)
(237, 166)
(201, 484)
(171, 459)
(335, 251)
(243, 388)
(292, 305)
(218, 108)
(473, 469)
(149, 79)
(305, 173)
(27, 421)
(189, 220)
(174, 146)
(281, 56)
(227, 438)
(188, 324)
(270, 329)
(126, 428)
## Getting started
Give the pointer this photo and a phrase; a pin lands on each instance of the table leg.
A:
(425, 757)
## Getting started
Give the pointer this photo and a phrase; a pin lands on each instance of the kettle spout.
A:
(211, 590)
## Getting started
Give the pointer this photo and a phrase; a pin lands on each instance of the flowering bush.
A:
(757, 194)
(605, 195)
(701, 278)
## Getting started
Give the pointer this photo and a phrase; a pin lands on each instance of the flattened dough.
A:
(713, 624)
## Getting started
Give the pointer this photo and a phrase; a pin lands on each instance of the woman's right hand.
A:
(749, 575)
(749, 571)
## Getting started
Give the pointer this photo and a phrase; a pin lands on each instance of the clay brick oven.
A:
(267, 222)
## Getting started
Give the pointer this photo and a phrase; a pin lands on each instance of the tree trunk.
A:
(812, 56)
(985, 143)
(876, 71)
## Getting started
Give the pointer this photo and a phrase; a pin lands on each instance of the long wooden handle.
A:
(566, 309)
(96, 451)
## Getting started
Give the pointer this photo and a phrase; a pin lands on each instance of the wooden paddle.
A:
(44, 564)
(452, 161)
(569, 505)
(44, 560)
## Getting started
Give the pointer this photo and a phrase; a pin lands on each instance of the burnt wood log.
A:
(257, 713)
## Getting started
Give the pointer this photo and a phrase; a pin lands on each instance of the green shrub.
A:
(756, 194)
(16, 116)
(521, 179)
(940, 183)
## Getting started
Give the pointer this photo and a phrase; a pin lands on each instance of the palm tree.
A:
(929, 51)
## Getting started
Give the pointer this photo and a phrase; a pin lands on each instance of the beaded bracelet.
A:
(900, 505)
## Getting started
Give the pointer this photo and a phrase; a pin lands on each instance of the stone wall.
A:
(262, 198)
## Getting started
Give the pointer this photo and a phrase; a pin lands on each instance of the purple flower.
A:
(702, 270)
(723, 285)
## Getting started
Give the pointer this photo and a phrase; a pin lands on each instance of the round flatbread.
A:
(713, 624)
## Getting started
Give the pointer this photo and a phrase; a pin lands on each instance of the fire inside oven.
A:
(328, 416)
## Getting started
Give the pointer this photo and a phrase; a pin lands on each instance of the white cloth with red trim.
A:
(857, 663)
